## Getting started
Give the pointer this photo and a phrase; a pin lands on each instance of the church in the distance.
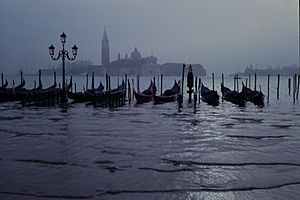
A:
(133, 64)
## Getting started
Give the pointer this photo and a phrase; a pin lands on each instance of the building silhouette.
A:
(131, 64)
(105, 49)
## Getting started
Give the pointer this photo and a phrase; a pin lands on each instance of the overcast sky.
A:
(223, 35)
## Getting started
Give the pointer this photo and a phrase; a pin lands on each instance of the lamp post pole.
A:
(64, 93)
(63, 54)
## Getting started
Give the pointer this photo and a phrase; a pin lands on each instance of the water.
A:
(151, 151)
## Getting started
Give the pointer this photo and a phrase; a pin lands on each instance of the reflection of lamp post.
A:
(64, 53)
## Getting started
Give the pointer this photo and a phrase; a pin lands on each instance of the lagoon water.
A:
(151, 151)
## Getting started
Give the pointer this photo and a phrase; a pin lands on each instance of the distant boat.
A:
(169, 95)
(256, 97)
(146, 95)
(234, 97)
(209, 96)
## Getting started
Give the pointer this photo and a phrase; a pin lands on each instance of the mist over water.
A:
(152, 151)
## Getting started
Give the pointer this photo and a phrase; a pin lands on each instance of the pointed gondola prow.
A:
(5, 84)
(260, 88)
(70, 85)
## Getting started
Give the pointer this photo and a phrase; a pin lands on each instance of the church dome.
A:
(135, 54)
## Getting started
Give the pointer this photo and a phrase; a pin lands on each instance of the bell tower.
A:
(105, 48)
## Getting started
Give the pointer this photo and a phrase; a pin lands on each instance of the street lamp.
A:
(63, 54)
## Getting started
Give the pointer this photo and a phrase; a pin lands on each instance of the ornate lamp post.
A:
(63, 54)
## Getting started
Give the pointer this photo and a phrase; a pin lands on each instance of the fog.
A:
(223, 35)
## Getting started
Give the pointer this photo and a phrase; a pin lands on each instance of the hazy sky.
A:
(223, 35)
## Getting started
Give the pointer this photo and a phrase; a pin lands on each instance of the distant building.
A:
(269, 70)
(135, 64)
(105, 49)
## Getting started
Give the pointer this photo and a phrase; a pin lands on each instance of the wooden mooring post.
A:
(109, 84)
(237, 82)
(278, 84)
(161, 84)
(249, 81)
(54, 76)
(298, 85)
(87, 82)
(180, 96)
(75, 87)
(138, 83)
(234, 83)
(255, 82)
(268, 89)
(93, 81)
(195, 95)
(190, 83)
(2, 80)
(40, 77)
(199, 90)
(132, 89)
(129, 91)
(106, 81)
(213, 81)
(294, 88)
(126, 88)
(289, 85)
(222, 83)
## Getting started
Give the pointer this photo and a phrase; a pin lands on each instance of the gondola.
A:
(4, 85)
(38, 93)
(87, 95)
(256, 97)
(146, 95)
(234, 97)
(211, 97)
(11, 94)
(169, 95)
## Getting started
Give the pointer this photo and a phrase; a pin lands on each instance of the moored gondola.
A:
(211, 97)
(169, 95)
(85, 96)
(256, 97)
(234, 97)
(11, 94)
(146, 95)
(4, 85)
